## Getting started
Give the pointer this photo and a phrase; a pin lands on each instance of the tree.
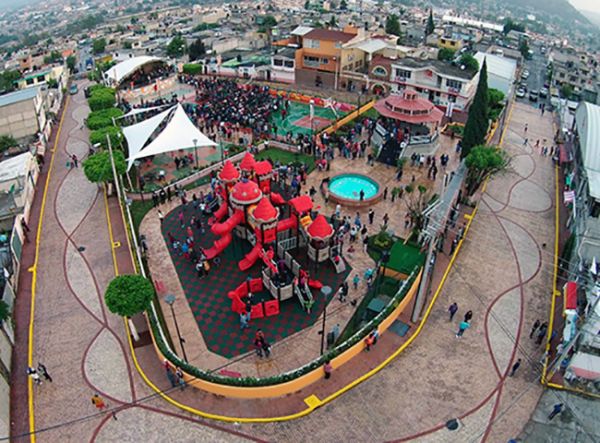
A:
(481, 162)
(98, 46)
(509, 25)
(392, 25)
(71, 62)
(101, 99)
(416, 202)
(177, 47)
(469, 62)
(99, 136)
(343, 5)
(7, 142)
(478, 119)
(197, 49)
(524, 48)
(307, 5)
(332, 22)
(54, 57)
(446, 54)
(566, 90)
(98, 169)
(103, 118)
(4, 312)
(8, 79)
(430, 25)
(128, 295)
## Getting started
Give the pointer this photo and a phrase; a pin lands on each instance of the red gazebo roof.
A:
(248, 162)
(409, 107)
(320, 229)
(246, 192)
(265, 211)
(263, 167)
(302, 203)
(229, 172)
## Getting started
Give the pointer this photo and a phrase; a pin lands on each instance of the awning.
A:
(570, 295)
(564, 154)
(118, 72)
(179, 133)
(585, 366)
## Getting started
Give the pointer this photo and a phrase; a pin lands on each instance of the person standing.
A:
(180, 379)
(244, 320)
(386, 219)
(327, 368)
(468, 316)
(74, 161)
(34, 376)
(371, 216)
(453, 309)
(356, 281)
(534, 328)
(161, 216)
(462, 328)
(99, 402)
(515, 367)
(541, 333)
(41, 369)
(556, 409)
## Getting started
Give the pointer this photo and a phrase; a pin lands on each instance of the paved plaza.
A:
(503, 274)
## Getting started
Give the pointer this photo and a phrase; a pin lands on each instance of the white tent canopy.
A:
(136, 111)
(118, 72)
(179, 133)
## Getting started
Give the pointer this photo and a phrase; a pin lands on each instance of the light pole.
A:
(170, 300)
(325, 292)
(196, 151)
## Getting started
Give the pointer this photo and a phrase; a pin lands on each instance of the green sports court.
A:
(297, 120)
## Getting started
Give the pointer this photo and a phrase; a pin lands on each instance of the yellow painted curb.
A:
(33, 269)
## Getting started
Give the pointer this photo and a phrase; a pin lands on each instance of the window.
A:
(338, 45)
(379, 71)
(454, 84)
(30, 81)
(289, 64)
(451, 98)
(403, 74)
(277, 62)
(324, 61)
(314, 44)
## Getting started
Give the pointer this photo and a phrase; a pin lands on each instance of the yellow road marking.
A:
(312, 401)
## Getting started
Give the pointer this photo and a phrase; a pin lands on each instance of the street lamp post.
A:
(170, 300)
(325, 292)
(196, 151)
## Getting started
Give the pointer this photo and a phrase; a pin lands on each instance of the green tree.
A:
(430, 25)
(343, 5)
(99, 45)
(71, 62)
(197, 49)
(469, 62)
(7, 142)
(193, 68)
(101, 99)
(478, 119)
(392, 25)
(128, 295)
(416, 203)
(510, 25)
(98, 169)
(4, 312)
(177, 47)
(99, 136)
(446, 54)
(332, 22)
(524, 49)
(495, 97)
(103, 118)
(566, 90)
(8, 79)
(481, 162)
(307, 5)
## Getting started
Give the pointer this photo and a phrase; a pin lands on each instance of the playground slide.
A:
(220, 213)
(287, 223)
(228, 225)
(305, 297)
(251, 257)
(340, 266)
(218, 247)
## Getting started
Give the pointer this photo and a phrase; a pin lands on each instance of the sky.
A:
(587, 5)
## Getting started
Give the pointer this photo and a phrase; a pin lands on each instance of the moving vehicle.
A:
(533, 95)
(520, 93)
(89, 64)
(73, 89)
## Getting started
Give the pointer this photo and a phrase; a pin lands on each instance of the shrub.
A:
(128, 295)
(193, 68)
(103, 118)
(98, 169)
(101, 100)
(99, 136)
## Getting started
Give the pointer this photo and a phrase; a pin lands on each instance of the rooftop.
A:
(18, 96)
(329, 35)
(436, 65)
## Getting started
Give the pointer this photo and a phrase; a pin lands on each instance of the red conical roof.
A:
(320, 229)
(263, 167)
(248, 162)
(246, 192)
(265, 211)
(229, 172)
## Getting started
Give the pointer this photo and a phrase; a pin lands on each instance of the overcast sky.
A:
(587, 5)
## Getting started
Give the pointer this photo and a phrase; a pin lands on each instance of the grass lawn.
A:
(139, 209)
(371, 113)
(403, 257)
(285, 157)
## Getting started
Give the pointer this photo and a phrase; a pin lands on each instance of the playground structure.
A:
(251, 211)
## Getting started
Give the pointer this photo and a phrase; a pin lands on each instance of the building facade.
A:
(22, 114)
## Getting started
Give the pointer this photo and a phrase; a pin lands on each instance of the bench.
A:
(228, 373)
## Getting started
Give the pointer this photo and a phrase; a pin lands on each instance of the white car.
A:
(520, 93)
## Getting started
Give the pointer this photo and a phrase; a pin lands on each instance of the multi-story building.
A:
(578, 70)
(439, 82)
(22, 114)
(319, 60)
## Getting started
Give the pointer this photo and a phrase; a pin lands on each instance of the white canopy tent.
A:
(118, 72)
(179, 133)
(136, 111)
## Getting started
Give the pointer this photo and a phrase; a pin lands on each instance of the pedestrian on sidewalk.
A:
(41, 369)
(525, 129)
(356, 281)
(453, 245)
(154, 199)
(161, 216)
(74, 161)
(99, 402)
(541, 333)
(371, 216)
(261, 344)
(534, 328)
(171, 377)
(556, 409)
(180, 379)
(468, 316)
(515, 367)
(34, 376)
(327, 368)
(244, 321)
(386, 219)
(462, 328)
(452, 310)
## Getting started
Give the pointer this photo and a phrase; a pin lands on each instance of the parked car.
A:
(525, 75)
(544, 93)
(520, 93)
(73, 89)
(533, 95)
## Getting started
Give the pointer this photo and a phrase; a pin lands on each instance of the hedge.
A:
(290, 375)
(101, 100)
(193, 68)
(98, 168)
(99, 136)
(103, 118)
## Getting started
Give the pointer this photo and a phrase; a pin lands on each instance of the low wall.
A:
(303, 381)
